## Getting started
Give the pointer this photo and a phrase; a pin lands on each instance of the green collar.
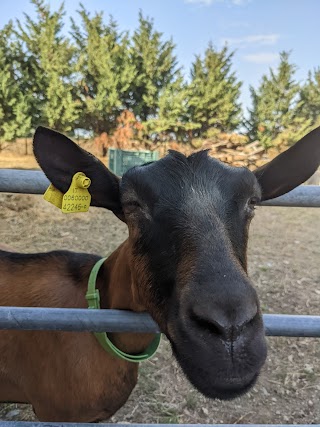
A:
(93, 299)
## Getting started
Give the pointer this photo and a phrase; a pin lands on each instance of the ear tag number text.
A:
(77, 198)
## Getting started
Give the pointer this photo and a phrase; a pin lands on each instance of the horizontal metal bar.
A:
(48, 424)
(290, 325)
(75, 319)
(78, 319)
(23, 181)
(35, 182)
(304, 196)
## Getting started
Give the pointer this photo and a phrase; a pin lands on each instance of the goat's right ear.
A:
(290, 168)
(60, 158)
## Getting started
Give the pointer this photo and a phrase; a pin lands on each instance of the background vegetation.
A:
(98, 78)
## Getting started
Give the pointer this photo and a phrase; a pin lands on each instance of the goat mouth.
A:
(217, 377)
(230, 389)
(223, 388)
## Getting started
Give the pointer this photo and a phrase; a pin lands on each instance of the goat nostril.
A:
(228, 331)
(211, 326)
(253, 319)
(251, 322)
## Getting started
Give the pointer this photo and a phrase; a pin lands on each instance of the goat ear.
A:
(291, 168)
(60, 158)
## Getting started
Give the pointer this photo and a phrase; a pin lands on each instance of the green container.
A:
(122, 160)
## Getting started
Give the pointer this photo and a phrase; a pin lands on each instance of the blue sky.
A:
(257, 29)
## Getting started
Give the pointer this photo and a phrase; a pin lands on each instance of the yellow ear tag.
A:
(54, 196)
(77, 198)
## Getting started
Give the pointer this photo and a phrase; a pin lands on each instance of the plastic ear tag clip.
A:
(77, 198)
(54, 196)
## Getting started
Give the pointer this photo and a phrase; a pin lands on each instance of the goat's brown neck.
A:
(118, 293)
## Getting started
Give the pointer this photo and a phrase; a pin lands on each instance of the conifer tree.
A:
(8, 99)
(105, 71)
(46, 58)
(7, 90)
(172, 119)
(310, 98)
(274, 117)
(156, 67)
(215, 91)
(15, 114)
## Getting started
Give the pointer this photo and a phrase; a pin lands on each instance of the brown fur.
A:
(100, 384)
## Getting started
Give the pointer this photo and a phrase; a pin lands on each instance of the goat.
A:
(184, 262)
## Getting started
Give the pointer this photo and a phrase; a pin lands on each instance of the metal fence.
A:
(79, 319)
(35, 182)
(27, 318)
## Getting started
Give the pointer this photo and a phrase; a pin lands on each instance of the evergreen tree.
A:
(105, 71)
(172, 119)
(7, 88)
(7, 100)
(156, 67)
(46, 58)
(15, 114)
(215, 91)
(274, 117)
(310, 98)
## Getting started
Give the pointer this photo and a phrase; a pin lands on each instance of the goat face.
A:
(188, 221)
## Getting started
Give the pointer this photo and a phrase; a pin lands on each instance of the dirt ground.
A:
(284, 264)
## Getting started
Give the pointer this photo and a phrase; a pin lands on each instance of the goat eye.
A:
(133, 203)
(252, 202)
(131, 206)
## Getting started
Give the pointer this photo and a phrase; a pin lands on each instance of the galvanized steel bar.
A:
(77, 319)
(35, 182)
(304, 196)
(290, 325)
(48, 424)
(23, 181)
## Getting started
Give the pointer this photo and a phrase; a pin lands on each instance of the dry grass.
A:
(10, 160)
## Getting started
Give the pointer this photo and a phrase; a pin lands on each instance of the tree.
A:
(128, 129)
(172, 120)
(46, 58)
(105, 71)
(310, 98)
(7, 89)
(15, 114)
(215, 91)
(274, 117)
(156, 67)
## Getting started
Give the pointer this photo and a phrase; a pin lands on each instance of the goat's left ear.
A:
(60, 158)
(291, 168)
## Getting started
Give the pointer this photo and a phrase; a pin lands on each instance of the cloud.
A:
(209, 2)
(262, 58)
(260, 39)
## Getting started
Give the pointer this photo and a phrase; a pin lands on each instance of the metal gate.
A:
(35, 182)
